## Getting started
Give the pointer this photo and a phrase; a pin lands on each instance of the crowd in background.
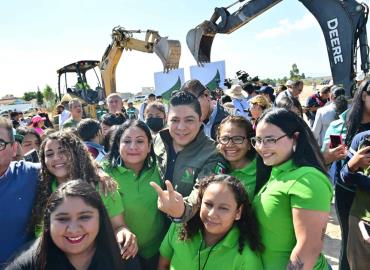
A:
(241, 178)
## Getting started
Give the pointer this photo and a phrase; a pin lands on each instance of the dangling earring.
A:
(119, 161)
(294, 147)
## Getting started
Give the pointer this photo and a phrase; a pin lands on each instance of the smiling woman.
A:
(63, 157)
(77, 233)
(296, 197)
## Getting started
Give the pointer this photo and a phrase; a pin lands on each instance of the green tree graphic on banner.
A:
(167, 94)
(213, 84)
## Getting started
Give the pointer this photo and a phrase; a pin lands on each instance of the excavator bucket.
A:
(200, 41)
(169, 51)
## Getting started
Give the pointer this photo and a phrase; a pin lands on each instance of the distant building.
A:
(147, 90)
(126, 95)
(8, 100)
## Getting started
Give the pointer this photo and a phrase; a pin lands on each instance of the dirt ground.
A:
(332, 240)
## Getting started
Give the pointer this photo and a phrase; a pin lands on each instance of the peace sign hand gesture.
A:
(169, 201)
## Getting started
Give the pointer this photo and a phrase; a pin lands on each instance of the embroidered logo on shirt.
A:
(188, 176)
(220, 168)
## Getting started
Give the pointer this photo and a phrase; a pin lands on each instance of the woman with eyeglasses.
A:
(233, 137)
(294, 204)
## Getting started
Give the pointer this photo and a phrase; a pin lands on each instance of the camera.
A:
(228, 83)
(32, 156)
(243, 76)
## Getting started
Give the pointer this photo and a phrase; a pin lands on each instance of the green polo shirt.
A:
(184, 255)
(139, 201)
(289, 187)
(111, 202)
(247, 176)
(70, 122)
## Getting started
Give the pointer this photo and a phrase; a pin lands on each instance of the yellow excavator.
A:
(169, 51)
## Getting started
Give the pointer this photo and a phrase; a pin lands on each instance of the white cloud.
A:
(286, 27)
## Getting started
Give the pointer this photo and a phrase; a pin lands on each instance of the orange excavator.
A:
(343, 23)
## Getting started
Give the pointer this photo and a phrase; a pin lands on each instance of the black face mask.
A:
(155, 123)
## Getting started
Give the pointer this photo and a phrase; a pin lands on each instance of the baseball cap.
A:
(37, 118)
(266, 90)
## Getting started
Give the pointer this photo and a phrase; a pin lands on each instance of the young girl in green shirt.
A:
(222, 235)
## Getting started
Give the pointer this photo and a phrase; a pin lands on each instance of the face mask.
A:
(155, 123)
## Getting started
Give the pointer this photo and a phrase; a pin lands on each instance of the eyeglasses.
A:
(235, 140)
(267, 141)
(3, 144)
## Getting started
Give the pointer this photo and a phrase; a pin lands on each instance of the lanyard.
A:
(209, 253)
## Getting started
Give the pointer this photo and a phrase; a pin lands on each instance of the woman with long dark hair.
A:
(293, 206)
(223, 234)
(77, 233)
(131, 162)
(63, 157)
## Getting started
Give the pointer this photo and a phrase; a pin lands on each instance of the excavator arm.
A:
(168, 51)
(343, 23)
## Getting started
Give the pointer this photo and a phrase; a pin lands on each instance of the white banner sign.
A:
(165, 83)
(211, 74)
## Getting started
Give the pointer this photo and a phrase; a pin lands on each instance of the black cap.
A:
(266, 90)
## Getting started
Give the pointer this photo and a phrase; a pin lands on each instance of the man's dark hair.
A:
(297, 83)
(13, 115)
(325, 90)
(87, 129)
(186, 98)
(193, 86)
(341, 104)
(112, 119)
(249, 88)
(151, 95)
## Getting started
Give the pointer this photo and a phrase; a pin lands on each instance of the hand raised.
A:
(169, 201)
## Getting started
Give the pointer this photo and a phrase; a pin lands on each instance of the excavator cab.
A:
(79, 87)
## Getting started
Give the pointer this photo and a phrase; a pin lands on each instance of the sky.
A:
(40, 36)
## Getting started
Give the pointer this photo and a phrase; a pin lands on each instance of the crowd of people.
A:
(241, 178)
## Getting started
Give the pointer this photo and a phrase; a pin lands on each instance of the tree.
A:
(294, 73)
(39, 97)
(269, 81)
(48, 94)
(27, 96)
